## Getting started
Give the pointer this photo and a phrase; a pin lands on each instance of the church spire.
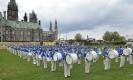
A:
(50, 29)
(56, 31)
(25, 17)
(55, 24)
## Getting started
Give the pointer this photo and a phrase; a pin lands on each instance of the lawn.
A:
(13, 67)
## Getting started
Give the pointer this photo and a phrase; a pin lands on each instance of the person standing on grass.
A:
(122, 56)
(106, 58)
(37, 57)
(87, 62)
(66, 65)
(78, 52)
(53, 63)
(44, 55)
(131, 57)
(116, 58)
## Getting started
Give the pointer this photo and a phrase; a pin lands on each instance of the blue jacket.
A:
(121, 51)
(44, 54)
(79, 52)
(105, 53)
(63, 56)
(84, 54)
(52, 54)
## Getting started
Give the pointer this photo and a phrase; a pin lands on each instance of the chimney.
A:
(5, 15)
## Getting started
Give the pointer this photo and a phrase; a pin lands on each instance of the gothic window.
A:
(21, 32)
(6, 37)
(7, 32)
(36, 33)
(13, 32)
(28, 32)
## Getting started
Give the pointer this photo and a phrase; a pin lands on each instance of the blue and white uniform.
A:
(107, 60)
(79, 55)
(122, 56)
(53, 63)
(87, 62)
(66, 66)
(44, 56)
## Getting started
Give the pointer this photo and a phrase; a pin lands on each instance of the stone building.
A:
(13, 30)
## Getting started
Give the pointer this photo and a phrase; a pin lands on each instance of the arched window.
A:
(21, 32)
(7, 32)
(13, 32)
(28, 32)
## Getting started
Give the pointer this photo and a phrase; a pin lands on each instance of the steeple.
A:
(25, 17)
(55, 24)
(56, 31)
(12, 3)
(50, 29)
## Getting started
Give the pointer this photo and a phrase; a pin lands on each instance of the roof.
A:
(1, 18)
(21, 24)
(47, 33)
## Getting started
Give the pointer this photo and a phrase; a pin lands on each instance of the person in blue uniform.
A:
(79, 55)
(87, 62)
(106, 59)
(44, 56)
(66, 65)
(116, 58)
(53, 63)
(122, 56)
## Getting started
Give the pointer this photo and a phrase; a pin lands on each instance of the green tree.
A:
(106, 36)
(78, 37)
(112, 36)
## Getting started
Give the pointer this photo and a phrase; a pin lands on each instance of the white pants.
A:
(79, 59)
(45, 62)
(71, 66)
(122, 61)
(87, 66)
(131, 59)
(20, 54)
(24, 55)
(28, 57)
(15, 52)
(66, 69)
(60, 63)
(53, 65)
(116, 59)
(107, 63)
(38, 60)
(128, 58)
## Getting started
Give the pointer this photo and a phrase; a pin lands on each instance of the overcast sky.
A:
(88, 17)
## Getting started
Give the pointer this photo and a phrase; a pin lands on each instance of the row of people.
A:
(81, 53)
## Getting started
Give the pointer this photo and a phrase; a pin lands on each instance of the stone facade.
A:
(24, 31)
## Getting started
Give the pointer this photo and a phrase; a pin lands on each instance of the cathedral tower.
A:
(56, 31)
(12, 11)
(50, 29)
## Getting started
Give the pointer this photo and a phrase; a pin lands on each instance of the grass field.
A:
(13, 67)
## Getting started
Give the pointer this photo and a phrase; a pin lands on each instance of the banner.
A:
(19, 43)
(49, 43)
